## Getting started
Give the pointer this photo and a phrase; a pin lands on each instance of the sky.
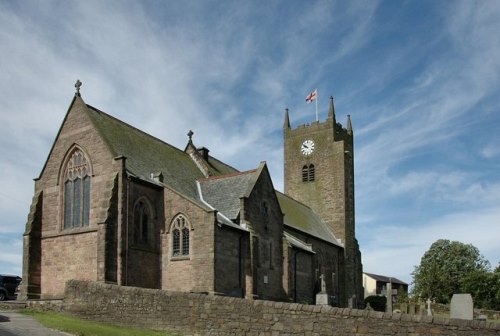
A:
(420, 80)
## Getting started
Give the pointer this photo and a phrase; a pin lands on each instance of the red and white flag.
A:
(312, 96)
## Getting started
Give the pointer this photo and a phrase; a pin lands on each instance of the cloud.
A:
(393, 250)
(422, 95)
(11, 255)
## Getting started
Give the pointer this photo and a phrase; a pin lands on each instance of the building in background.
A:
(375, 284)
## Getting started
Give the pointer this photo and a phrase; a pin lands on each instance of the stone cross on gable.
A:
(78, 84)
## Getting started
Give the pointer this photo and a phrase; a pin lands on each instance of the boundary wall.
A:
(199, 314)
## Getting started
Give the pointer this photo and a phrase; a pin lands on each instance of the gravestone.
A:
(352, 302)
(421, 309)
(429, 310)
(411, 309)
(322, 297)
(462, 307)
(404, 308)
(388, 295)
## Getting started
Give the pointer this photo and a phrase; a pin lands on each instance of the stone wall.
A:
(197, 314)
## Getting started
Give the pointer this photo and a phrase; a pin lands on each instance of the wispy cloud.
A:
(422, 91)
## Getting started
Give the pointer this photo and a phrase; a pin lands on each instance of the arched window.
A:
(180, 237)
(311, 172)
(76, 191)
(305, 174)
(308, 173)
(142, 223)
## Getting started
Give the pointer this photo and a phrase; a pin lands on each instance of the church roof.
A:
(146, 154)
(224, 192)
(300, 217)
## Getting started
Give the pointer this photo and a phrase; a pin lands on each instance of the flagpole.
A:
(317, 105)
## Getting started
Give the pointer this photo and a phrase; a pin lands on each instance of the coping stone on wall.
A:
(81, 291)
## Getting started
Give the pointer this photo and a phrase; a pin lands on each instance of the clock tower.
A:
(319, 172)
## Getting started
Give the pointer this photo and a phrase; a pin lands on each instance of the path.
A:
(16, 324)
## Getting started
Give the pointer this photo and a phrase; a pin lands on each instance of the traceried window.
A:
(180, 237)
(77, 191)
(142, 223)
(308, 173)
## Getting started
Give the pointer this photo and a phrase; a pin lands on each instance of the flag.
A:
(312, 96)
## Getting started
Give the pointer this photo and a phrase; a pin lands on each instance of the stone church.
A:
(115, 204)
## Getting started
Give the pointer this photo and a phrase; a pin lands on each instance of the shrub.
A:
(376, 302)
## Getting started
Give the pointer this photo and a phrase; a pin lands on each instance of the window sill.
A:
(178, 258)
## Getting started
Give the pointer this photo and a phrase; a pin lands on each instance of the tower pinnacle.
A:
(349, 125)
(287, 119)
(331, 111)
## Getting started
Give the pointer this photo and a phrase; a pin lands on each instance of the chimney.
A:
(204, 153)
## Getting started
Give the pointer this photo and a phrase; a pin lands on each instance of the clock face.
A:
(307, 147)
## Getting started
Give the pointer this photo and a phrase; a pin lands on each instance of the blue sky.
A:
(420, 79)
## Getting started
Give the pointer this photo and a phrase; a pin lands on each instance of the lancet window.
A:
(142, 223)
(180, 237)
(77, 191)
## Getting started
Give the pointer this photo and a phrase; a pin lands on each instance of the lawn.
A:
(79, 327)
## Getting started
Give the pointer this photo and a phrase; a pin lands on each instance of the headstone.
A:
(421, 309)
(352, 302)
(429, 310)
(322, 297)
(404, 308)
(388, 306)
(411, 309)
(462, 307)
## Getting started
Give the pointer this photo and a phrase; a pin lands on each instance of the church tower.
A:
(319, 172)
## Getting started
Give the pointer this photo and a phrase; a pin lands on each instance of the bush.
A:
(376, 302)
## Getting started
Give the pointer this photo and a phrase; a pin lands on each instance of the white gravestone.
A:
(322, 297)
(462, 307)
(429, 310)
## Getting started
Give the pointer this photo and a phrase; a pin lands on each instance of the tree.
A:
(444, 267)
(484, 288)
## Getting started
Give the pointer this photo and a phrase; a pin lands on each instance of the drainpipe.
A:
(126, 229)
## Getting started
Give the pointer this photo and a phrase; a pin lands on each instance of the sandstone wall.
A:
(197, 314)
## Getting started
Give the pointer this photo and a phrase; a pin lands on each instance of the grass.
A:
(79, 327)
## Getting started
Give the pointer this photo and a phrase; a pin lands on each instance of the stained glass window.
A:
(142, 224)
(180, 237)
(176, 245)
(77, 191)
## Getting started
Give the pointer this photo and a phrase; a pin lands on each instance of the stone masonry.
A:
(197, 314)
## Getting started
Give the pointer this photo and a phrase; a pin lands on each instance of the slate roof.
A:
(302, 218)
(385, 279)
(224, 192)
(297, 243)
(146, 154)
